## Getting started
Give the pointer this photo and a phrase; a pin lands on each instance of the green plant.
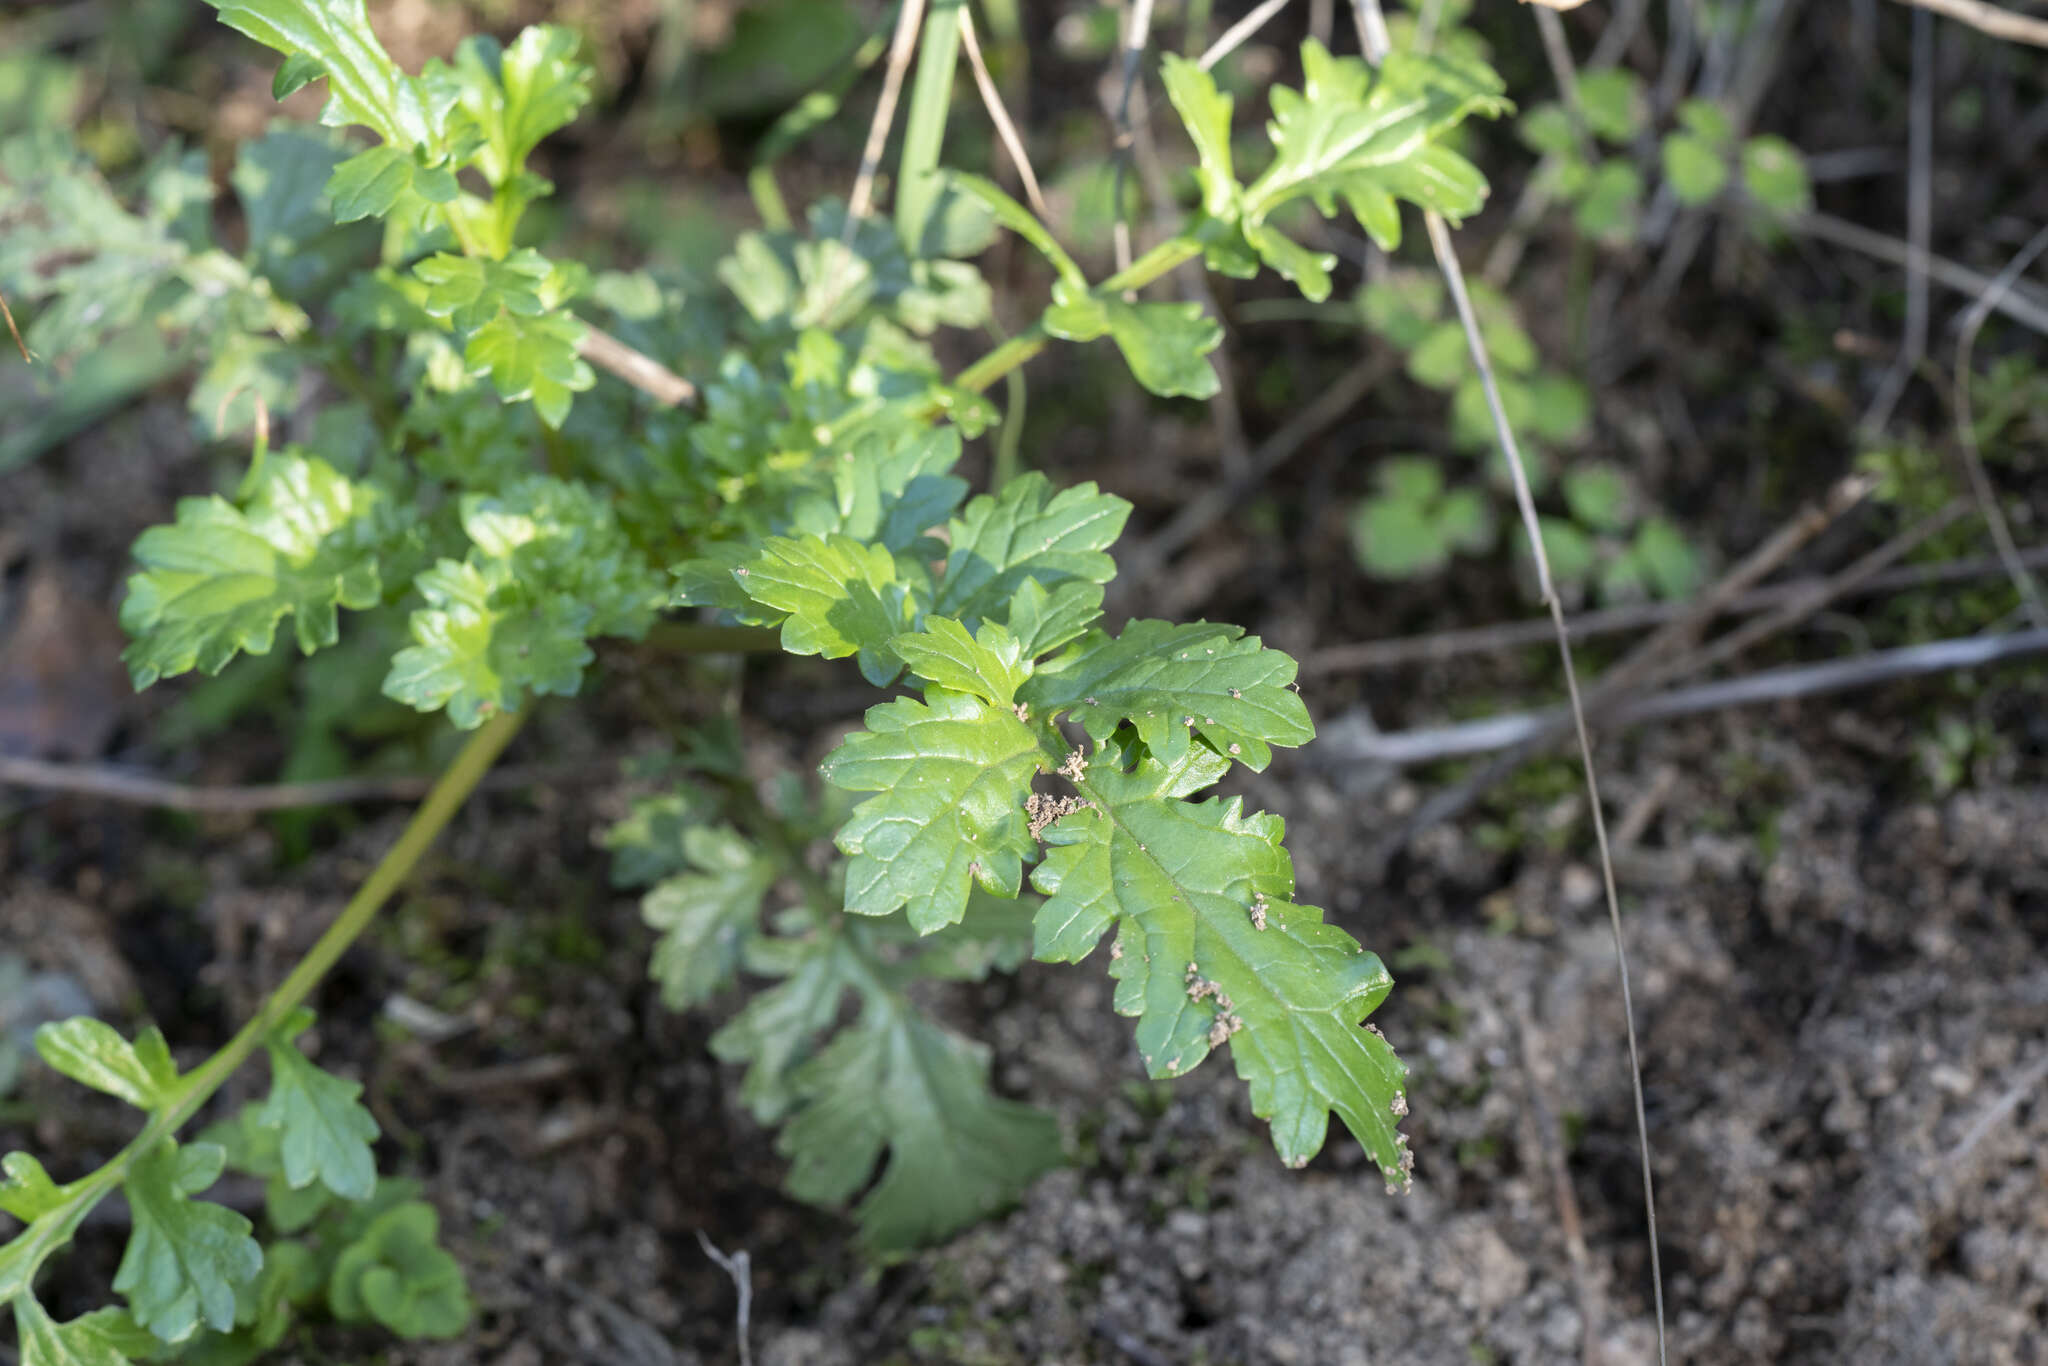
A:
(473, 469)
(1413, 525)
(1409, 308)
(1698, 158)
(1607, 541)
(1701, 154)
(1605, 193)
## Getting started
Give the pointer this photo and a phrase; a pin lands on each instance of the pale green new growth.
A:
(218, 581)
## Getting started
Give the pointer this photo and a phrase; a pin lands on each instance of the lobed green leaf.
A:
(1167, 679)
(956, 1152)
(185, 1257)
(325, 1133)
(952, 776)
(988, 665)
(1026, 532)
(93, 1053)
(706, 914)
(1209, 950)
(397, 1273)
(549, 568)
(839, 597)
(333, 38)
(508, 99)
(218, 580)
(103, 1337)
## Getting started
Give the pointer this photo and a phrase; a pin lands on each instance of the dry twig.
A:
(1988, 18)
(2024, 307)
(1642, 671)
(1511, 635)
(1237, 33)
(1966, 432)
(992, 99)
(13, 331)
(1148, 557)
(861, 201)
(1356, 742)
(110, 784)
(638, 369)
(1137, 33)
(739, 1266)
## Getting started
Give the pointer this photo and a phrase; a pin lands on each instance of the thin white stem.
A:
(1966, 432)
(1987, 18)
(1373, 37)
(1234, 37)
(1431, 744)
(1000, 117)
(861, 202)
(1919, 226)
(1137, 34)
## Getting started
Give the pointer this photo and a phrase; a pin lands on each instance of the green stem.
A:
(54, 1227)
(1162, 259)
(924, 132)
(768, 200)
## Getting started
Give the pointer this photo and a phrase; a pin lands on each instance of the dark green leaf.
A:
(952, 777)
(956, 1152)
(295, 73)
(1044, 619)
(776, 1026)
(1167, 679)
(1167, 346)
(1209, 950)
(386, 181)
(841, 598)
(1025, 532)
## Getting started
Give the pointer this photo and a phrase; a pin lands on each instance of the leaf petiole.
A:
(51, 1229)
